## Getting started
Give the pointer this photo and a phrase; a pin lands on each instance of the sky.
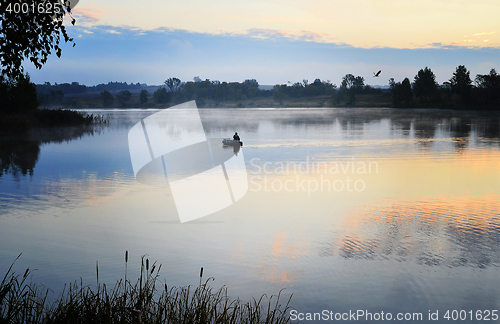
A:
(275, 41)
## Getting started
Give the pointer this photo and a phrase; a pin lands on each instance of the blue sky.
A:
(116, 46)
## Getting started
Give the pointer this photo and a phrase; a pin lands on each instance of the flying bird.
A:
(377, 74)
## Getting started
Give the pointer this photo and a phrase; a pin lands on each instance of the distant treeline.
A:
(174, 90)
(54, 93)
(75, 87)
(460, 92)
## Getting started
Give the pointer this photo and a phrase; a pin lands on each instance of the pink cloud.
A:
(84, 15)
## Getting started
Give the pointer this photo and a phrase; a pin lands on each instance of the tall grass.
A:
(23, 122)
(146, 301)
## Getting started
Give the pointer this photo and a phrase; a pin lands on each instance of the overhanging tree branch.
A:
(31, 29)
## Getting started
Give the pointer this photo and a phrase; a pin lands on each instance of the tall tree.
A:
(488, 87)
(161, 96)
(348, 81)
(358, 83)
(30, 29)
(279, 93)
(488, 81)
(347, 88)
(401, 93)
(461, 83)
(18, 96)
(143, 97)
(406, 93)
(173, 84)
(425, 85)
(107, 98)
(123, 97)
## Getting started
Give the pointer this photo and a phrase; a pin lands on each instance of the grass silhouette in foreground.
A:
(147, 301)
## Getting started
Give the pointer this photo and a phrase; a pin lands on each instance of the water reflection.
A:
(18, 157)
(429, 217)
(447, 232)
(19, 154)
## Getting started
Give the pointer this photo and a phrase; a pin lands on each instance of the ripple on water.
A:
(447, 232)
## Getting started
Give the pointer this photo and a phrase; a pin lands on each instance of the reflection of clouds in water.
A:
(64, 194)
(275, 274)
(277, 268)
(450, 232)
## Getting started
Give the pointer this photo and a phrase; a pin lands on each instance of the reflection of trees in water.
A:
(425, 129)
(488, 128)
(19, 154)
(18, 157)
(450, 232)
(460, 129)
(401, 124)
(422, 123)
(231, 126)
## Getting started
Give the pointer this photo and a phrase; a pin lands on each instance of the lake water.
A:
(347, 209)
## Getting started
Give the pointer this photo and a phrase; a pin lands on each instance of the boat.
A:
(229, 141)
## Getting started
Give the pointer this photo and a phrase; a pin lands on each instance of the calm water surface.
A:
(348, 209)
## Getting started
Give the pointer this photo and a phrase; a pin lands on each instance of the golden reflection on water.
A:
(429, 210)
(427, 217)
(440, 231)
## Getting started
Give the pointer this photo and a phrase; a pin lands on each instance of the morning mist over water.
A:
(373, 209)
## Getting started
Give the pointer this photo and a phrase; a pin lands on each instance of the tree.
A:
(406, 93)
(488, 86)
(56, 96)
(401, 93)
(358, 84)
(18, 96)
(348, 88)
(347, 81)
(336, 97)
(160, 96)
(173, 84)
(251, 83)
(123, 97)
(250, 88)
(278, 93)
(461, 83)
(107, 98)
(33, 34)
(143, 97)
(425, 85)
(488, 81)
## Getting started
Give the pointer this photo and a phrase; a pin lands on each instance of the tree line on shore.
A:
(34, 36)
(459, 92)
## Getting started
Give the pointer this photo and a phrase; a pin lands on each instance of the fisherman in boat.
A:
(236, 137)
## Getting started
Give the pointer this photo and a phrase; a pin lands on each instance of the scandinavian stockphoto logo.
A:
(171, 147)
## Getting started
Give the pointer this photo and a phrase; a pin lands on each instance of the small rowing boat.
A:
(228, 141)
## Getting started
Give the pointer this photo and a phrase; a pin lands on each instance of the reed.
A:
(146, 301)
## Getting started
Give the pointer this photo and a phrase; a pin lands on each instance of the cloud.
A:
(124, 53)
(87, 15)
(485, 33)
(303, 35)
